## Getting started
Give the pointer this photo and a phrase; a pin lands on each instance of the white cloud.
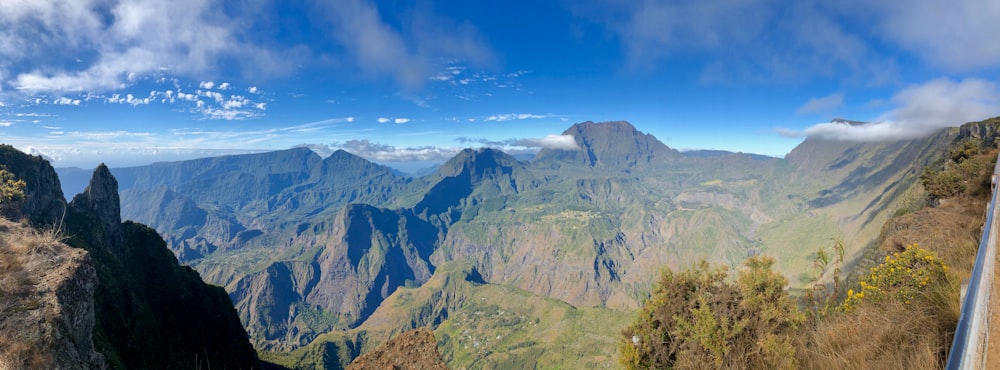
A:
(224, 86)
(401, 120)
(206, 85)
(563, 142)
(515, 116)
(62, 100)
(349, 119)
(123, 40)
(958, 35)
(382, 120)
(6, 123)
(252, 89)
(822, 105)
(389, 153)
(920, 111)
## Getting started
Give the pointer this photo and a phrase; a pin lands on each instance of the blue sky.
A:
(405, 83)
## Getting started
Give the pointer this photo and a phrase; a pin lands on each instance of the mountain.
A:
(313, 253)
(138, 305)
(609, 145)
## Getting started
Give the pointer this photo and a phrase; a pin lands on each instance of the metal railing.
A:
(969, 348)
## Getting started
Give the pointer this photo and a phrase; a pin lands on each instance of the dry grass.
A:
(894, 335)
(891, 335)
(22, 250)
(17, 355)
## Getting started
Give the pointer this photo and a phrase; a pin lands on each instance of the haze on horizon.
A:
(129, 82)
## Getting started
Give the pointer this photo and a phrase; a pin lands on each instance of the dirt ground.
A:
(415, 349)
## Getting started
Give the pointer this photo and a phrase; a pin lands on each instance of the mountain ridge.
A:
(588, 227)
(148, 311)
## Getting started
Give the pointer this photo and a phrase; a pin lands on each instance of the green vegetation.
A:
(897, 310)
(902, 277)
(959, 174)
(477, 326)
(696, 319)
(11, 188)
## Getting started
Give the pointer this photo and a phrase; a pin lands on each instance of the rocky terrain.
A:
(90, 291)
(309, 246)
(46, 302)
(412, 350)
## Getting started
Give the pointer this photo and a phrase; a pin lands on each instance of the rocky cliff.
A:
(46, 302)
(113, 295)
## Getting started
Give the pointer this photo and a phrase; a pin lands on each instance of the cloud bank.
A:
(920, 111)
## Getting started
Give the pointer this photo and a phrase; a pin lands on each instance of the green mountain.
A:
(306, 245)
(148, 311)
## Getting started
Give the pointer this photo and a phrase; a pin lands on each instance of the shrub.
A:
(11, 189)
(696, 319)
(901, 277)
(966, 171)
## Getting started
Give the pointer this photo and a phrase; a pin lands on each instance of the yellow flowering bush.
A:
(901, 277)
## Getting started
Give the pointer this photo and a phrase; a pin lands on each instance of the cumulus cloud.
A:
(206, 85)
(62, 100)
(382, 120)
(97, 46)
(822, 105)
(6, 123)
(920, 110)
(401, 120)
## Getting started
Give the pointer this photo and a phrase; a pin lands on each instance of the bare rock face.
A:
(46, 302)
(415, 349)
(101, 200)
(43, 202)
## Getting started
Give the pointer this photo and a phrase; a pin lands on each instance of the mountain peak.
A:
(100, 199)
(612, 144)
(477, 162)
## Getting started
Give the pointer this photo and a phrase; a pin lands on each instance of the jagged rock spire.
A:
(101, 200)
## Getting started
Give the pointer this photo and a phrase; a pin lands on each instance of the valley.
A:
(325, 257)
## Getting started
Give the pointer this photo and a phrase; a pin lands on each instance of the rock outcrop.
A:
(101, 200)
(113, 296)
(46, 302)
(415, 349)
(43, 202)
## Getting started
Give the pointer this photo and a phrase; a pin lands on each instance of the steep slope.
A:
(46, 302)
(249, 204)
(588, 227)
(478, 325)
(148, 311)
(359, 258)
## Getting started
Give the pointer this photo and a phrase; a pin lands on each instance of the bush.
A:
(899, 318)
(902, 277)
(966, 172)
(696, 319)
